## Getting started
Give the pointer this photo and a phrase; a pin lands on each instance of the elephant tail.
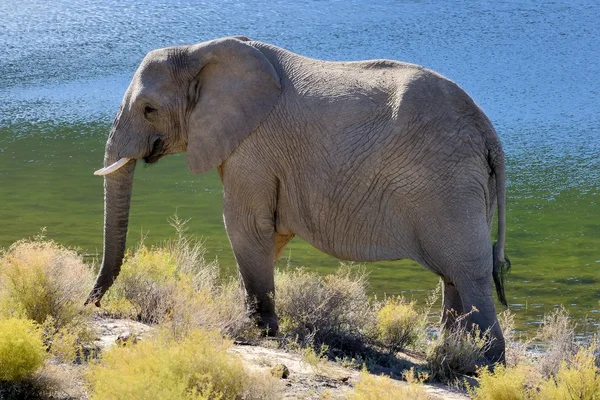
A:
(502, 264)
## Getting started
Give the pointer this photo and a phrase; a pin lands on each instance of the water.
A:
(532, 66)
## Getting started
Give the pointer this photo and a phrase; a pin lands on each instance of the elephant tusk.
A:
(113, 167)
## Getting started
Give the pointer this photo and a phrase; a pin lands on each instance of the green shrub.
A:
(22, 351)
(399, 324)
(195, 367)
(371, 387)
(39, 278)
(332, 309)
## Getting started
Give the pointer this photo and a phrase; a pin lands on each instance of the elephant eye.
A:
(148, 111)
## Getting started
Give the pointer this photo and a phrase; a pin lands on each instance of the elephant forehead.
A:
(151, 83)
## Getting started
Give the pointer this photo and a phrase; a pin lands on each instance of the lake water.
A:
(533, 66)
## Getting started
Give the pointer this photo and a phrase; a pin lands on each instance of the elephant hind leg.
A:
(479, 303)
(465, 262)
(452, 306)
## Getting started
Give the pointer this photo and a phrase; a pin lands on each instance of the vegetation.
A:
(561, 368)
(175, 285)
(22, 351)
(195, 367)
(371, 387)
(332, 310)
(41, 279)
(197, 313)
(456, 352)
(44, 282)
(399, 324)
(558, 331)
(576, 379)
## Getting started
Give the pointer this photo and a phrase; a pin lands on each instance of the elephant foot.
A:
(495, 357)
(267, 323)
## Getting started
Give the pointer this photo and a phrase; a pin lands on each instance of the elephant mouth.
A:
(156, 153)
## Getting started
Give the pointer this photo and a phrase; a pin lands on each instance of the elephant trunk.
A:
(117, 196)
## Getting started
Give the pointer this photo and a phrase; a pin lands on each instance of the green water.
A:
(47, 182)
(532, 65)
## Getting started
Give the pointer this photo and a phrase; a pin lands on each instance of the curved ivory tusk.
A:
(112, 168)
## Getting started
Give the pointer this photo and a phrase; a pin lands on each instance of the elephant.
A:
(365, 160)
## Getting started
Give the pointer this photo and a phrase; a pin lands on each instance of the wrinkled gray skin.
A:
(366, 161)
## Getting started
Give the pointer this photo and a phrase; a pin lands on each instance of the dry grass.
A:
(332, 310)
(506, 383)
(45, 282)
(457, 351)
(146, 286)
(190, 256)
(173, 285)
(317, 360)
(578, 378)
(516, 344)
(41, 279)
(557, 332)
(219, 308)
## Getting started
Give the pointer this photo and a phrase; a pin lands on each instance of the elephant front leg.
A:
(254, 247)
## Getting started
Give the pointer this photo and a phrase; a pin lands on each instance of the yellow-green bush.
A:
(22, 351)
(516, 383)
(371, 387)
(399, 324)
(578, 379)
(39, 278)
(161, 283)
(175, 285)
(146, 286)
(195, 367)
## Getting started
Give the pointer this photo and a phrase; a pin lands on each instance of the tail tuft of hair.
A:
(499, 272)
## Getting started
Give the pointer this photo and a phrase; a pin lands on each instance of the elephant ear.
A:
(235, 88)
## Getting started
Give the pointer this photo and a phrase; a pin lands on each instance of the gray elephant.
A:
(366, 161)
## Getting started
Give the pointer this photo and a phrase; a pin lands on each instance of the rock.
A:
(126, 338)
(280, 371)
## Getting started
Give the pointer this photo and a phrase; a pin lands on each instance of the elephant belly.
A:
(349, 231)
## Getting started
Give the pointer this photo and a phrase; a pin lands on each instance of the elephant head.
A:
(203, 99)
